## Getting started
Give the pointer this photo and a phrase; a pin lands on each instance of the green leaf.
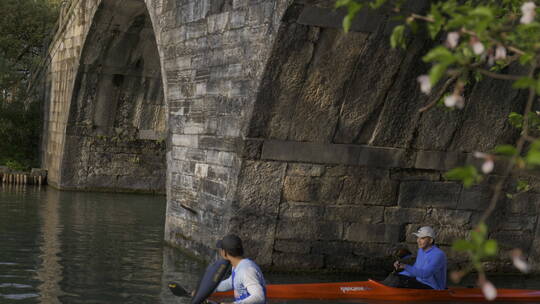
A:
(482, 229)
(533, 157)
(440, 54)
(516, 120)
(507, 150)
(491, 247)
(340, 3)
(377, 4)
(526, 58)
(397, 38)
(462, 245)
(523, 186)
(524, 83)
(468, 175)
(436, 73)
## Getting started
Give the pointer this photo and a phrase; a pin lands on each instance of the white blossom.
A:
(479, 154)
(490, 292)
(425, 83)
(454, 100)
(519, 261)
(478, 47)
(500, 52)
(529, 12)
(488, 166)
(452, 39)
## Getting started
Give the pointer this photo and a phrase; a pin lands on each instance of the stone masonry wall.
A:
(342, 166)
(305, 140)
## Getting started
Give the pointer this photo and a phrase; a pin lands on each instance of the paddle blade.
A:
(177, 290)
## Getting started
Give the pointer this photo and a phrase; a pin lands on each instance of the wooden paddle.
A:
(180, 291)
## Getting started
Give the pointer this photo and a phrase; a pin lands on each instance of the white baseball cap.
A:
(424, 232)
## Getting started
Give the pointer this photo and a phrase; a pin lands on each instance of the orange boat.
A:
(376, 291)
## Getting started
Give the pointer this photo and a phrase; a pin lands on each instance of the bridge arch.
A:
(116, 130)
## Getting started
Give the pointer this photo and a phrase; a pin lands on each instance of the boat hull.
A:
(374, 290)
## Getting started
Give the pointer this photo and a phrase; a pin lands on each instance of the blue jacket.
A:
(429, 268)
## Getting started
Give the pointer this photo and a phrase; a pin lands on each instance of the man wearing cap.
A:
(246, 279)
(429, 269)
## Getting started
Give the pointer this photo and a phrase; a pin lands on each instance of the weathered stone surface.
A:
(301, 211)
(361, 214)
(369, 188)
(257, 205)
(309, 230)
(399, 215)
(316, 112)
(299, 189)
(377, 233)
(290, 261)
(445, 217)
(413, 174)
(289, 246)
(429, 194)
(475, 197)
(436, 160)
(305, 170)
(514, 239)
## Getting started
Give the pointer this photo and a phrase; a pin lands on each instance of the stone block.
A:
(368, 189)
(305, 170)
(475, 198)
(214, 188)
(414, 175)
(399, 215)
(444, 217)
(218, 22)
(185, 140)
(328, 189)
(338, 248)
(514, 239)
(309, 230)
(238, 19)
(292, 261)
(524, 203)
(301, 211)
(360, 214)
(366, 21)
(439, 160)
(252, 149)
(375, 233)
(518, 223)
(349, 263)
(339, 170)
(291, 246)
(418, 194)
(261, 184)
(299, 189)
(372, 249)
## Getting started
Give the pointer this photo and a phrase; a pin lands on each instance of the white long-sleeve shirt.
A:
(248, 283)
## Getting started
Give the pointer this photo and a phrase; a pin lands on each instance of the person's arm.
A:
(253, 286)
(225, 285)
(434, 263)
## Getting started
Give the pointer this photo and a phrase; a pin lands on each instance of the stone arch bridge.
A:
(263, 118)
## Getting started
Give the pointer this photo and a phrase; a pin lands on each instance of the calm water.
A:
(78, 247)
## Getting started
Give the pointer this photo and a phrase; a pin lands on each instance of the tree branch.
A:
(439, 94)
(497, 75)
(519, 148)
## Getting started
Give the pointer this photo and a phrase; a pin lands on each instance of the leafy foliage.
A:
(24, 28)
